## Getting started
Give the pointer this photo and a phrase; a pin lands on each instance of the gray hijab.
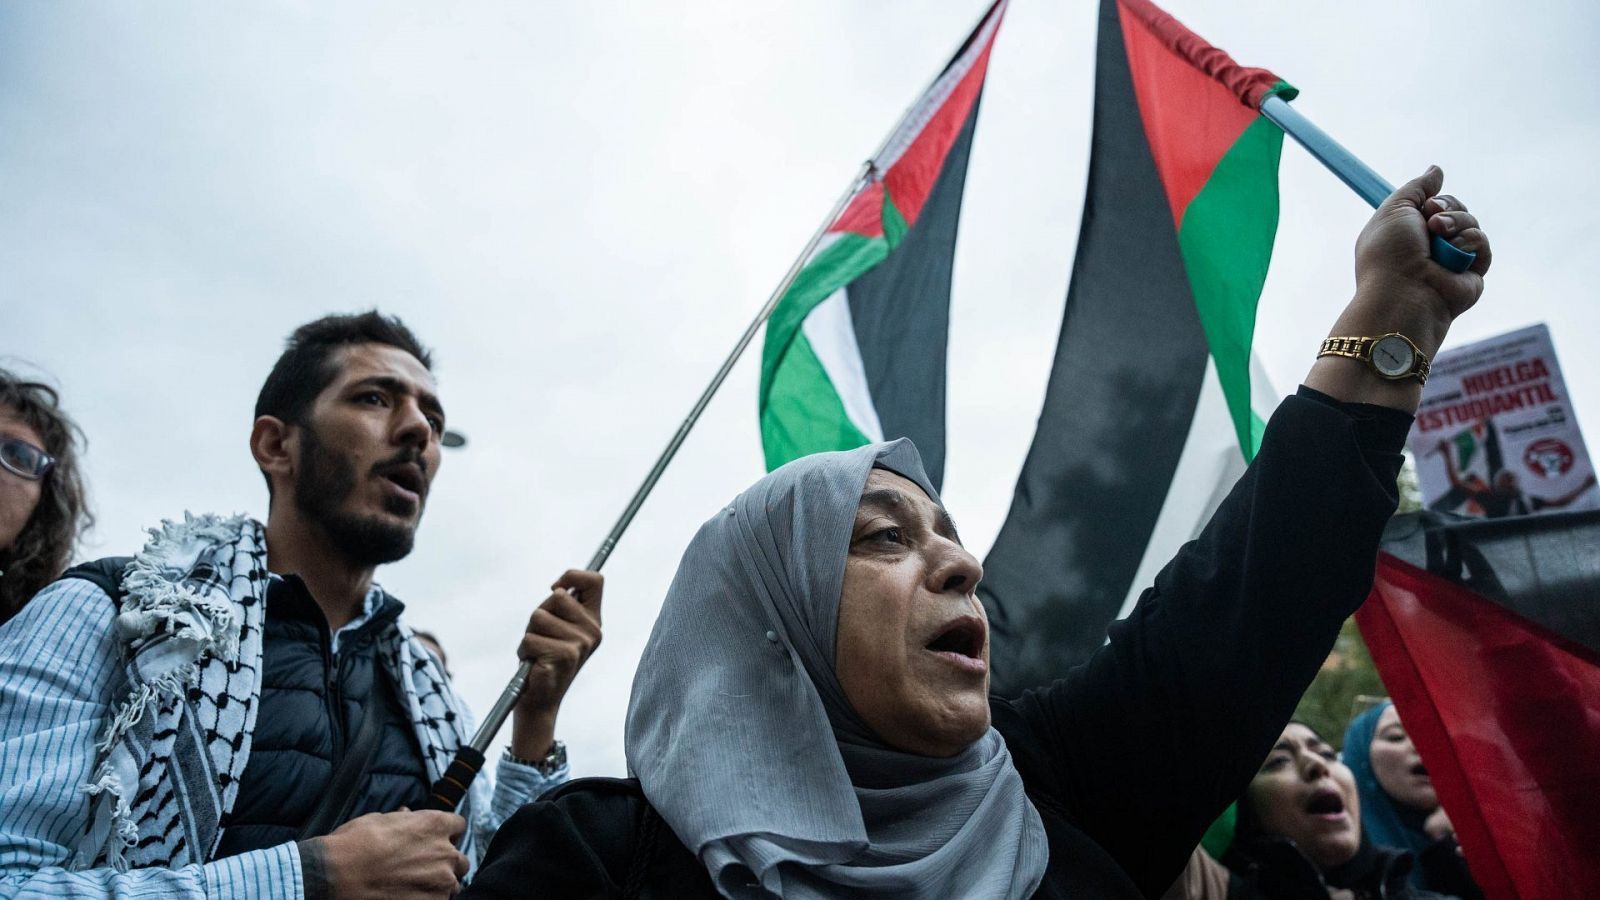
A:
(743, 740)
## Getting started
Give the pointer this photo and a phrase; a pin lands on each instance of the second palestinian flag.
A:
(1151, 410)
(855, 350)
(1487, 635)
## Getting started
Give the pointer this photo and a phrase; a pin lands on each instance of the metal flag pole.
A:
(1360, 177)
(447, 792)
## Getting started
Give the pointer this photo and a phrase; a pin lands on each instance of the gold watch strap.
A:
(1361, 348)
(1352, 347)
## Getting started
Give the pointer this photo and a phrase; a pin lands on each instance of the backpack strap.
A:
(105, 574)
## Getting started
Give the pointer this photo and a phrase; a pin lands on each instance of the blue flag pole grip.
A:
(1367, 184)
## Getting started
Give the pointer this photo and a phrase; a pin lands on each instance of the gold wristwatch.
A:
(1393, 356)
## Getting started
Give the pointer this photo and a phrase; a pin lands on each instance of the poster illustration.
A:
(1496, 435)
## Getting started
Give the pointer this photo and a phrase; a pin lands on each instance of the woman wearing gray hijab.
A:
(811, 716)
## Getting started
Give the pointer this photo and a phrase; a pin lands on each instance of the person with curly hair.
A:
(43, 504)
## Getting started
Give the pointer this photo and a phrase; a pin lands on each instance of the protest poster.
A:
(1496, 435)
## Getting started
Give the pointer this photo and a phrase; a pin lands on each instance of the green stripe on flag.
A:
(1466, 445)
(801, 410)
(1226, 241)
(837, 265)
(894, 222)
(804, 414)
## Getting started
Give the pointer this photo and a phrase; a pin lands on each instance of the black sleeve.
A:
(558, 848)
(1444, 871)
(1147, 742)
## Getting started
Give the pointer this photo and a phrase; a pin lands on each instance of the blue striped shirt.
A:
(61, 672)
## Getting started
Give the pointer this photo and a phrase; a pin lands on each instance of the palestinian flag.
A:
(1466, 443)
(1487, 635)
(1153, 405)
(855, 350)
(1471, 466)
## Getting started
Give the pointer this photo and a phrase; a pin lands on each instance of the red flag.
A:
(1506, 714)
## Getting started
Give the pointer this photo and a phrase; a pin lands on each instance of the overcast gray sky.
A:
(580, 205)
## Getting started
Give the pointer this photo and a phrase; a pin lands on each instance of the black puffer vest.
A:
(311, 707)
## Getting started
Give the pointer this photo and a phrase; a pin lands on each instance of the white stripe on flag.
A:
(832, 334)
(1264, 398)
(827, 240)
(1210, 464)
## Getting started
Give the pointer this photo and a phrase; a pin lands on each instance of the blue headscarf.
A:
(1384, 822)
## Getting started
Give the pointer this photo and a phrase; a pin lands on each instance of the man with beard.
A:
(239, 710)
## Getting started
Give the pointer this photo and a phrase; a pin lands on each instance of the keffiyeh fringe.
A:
(178, 617)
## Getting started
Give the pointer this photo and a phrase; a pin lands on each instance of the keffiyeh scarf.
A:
(190, 625)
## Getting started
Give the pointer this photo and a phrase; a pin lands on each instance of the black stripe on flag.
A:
(1543, 567)
(901, 312)
(1122, 393)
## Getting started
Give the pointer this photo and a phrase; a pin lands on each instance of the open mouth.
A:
(407, 477)
(1420, 770)
(1325, 802)
(961, 642)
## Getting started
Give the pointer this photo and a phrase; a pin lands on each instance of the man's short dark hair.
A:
(306, 367)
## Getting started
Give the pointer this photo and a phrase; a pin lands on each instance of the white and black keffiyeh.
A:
(169, 766)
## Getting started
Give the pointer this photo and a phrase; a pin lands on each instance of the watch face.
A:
(1392, 356)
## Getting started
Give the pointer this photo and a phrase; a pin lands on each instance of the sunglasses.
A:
(24, 460)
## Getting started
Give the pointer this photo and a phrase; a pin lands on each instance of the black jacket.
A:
(1134, 753)
(1273, 868)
